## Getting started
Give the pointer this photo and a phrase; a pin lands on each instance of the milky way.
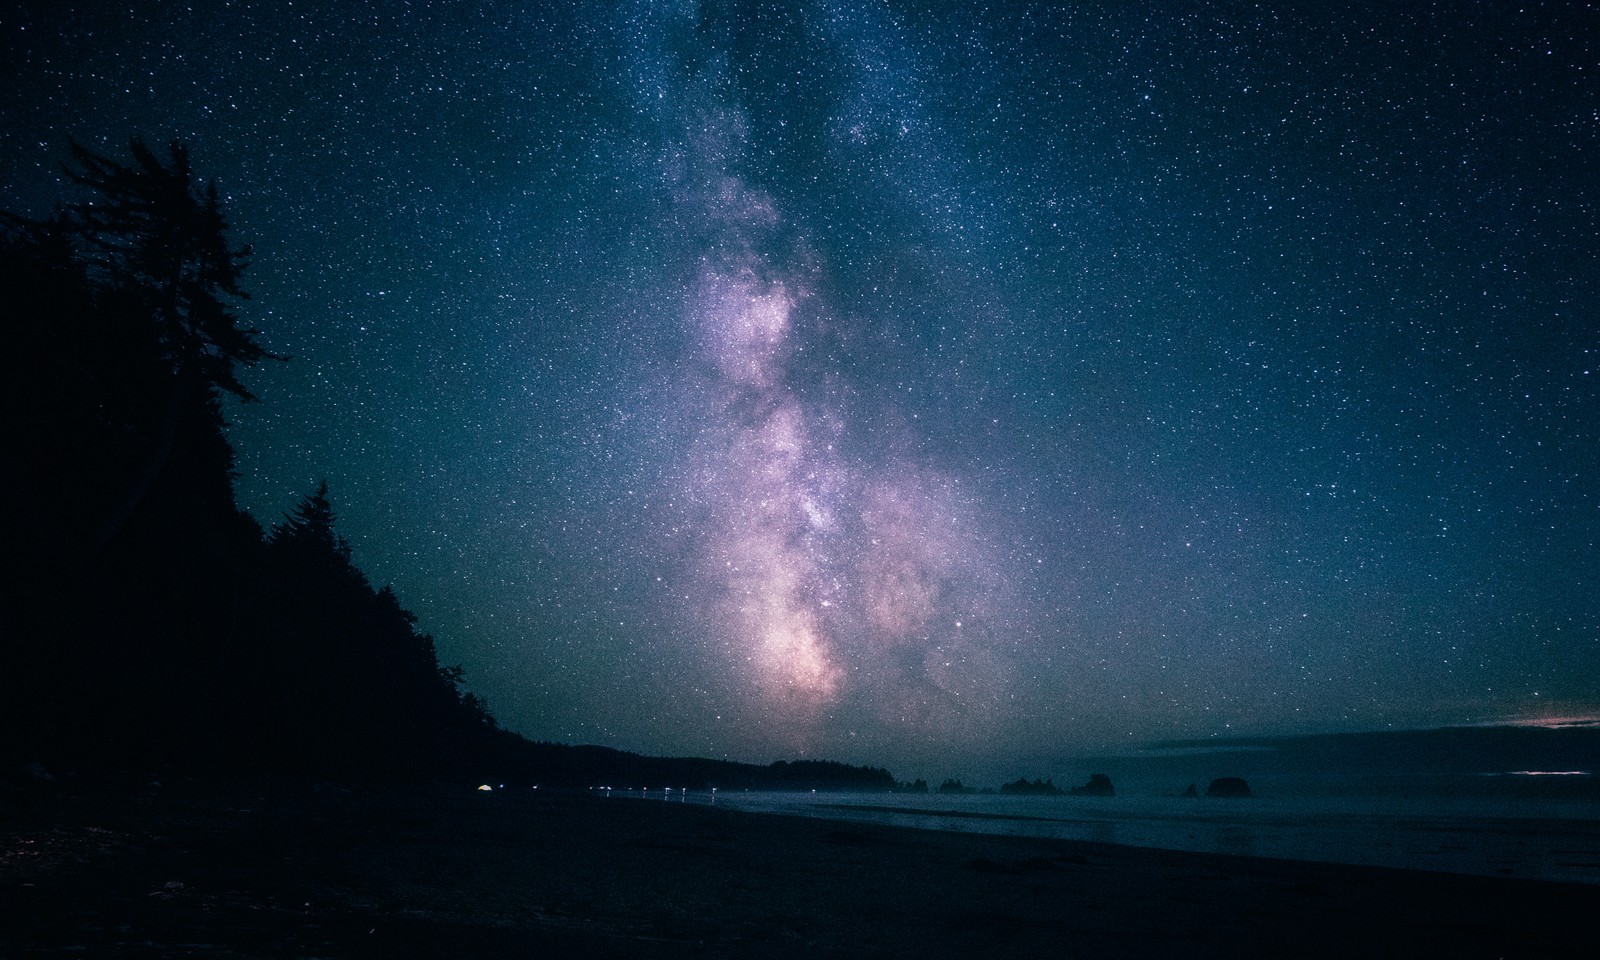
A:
(830, 585)
(952, 387)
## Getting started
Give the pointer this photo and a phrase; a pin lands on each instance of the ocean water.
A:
(1529, 828)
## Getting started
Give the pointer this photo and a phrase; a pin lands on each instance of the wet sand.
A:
(272, 870)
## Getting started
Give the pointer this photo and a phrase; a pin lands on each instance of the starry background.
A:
(916, 384)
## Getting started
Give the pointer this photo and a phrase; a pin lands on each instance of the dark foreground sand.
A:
(192, 870)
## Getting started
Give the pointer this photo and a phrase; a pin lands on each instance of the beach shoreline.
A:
(269, 869)
(1520, 838)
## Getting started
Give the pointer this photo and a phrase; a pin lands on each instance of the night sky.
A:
(927, 385)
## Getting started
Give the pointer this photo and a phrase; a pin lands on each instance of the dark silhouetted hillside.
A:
(147, 619)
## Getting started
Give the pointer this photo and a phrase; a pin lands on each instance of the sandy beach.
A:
(192, 869)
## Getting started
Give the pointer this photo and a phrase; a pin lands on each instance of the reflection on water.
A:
(1476, 835)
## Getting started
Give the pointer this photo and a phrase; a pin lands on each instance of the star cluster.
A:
(910, 383)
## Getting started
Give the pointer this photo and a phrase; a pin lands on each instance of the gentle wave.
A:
(1554, 840)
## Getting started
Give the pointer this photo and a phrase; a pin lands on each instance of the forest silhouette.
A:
(147, 620)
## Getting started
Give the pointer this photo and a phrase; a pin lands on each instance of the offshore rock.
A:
(1099, 785)
(1228, 787)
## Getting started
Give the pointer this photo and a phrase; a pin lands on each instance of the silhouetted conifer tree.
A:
(307, 537)
(156, 242)
(152, 229)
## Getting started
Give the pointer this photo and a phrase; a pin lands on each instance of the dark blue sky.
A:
(910, 383)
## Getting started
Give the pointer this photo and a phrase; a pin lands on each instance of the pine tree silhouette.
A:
(308, 533)
(158, 242)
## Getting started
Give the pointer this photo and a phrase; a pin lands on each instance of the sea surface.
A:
(1512, 826)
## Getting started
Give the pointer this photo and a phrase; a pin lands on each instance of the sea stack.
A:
(1228, 787)
(1099, 785)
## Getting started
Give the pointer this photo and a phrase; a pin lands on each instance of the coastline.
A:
(271, 869)
(1528, 841)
